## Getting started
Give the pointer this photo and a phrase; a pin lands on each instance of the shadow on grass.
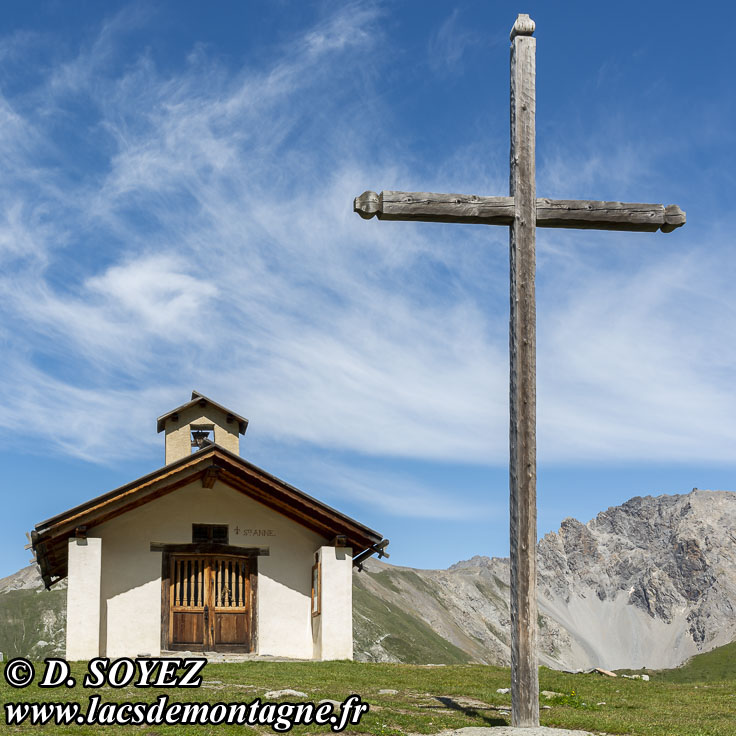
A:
(471, 711)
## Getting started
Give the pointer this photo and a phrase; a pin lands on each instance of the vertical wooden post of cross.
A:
(522, 347)
(521, 212)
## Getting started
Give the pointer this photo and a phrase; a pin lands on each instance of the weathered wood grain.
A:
(431, 207)
(522, 393)
(596, 215)
(522, 212)
(581, 214)
(210, 476)
(674, 218)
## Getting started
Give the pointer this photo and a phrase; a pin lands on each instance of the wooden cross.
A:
(522, 212)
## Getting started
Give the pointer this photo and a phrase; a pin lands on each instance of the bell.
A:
(200, 437)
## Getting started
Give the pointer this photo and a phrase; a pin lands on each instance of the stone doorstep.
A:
(220, 657)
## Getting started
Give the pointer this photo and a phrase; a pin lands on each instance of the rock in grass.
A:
(284, 693)
(607, 673)
(549, 694)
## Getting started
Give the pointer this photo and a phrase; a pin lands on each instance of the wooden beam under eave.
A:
(208, 548)
(210, 476)
(297, 509)
(190, 465)
(376, 549)
(274, 498)
(42, 560)
(51, 556)
(251, 473)
(275, 488)
(110, 508)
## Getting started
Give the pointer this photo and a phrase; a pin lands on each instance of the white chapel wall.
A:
(82, 598)
(333, 628)
(131, 574)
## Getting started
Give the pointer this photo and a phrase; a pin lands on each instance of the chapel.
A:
(209, 553)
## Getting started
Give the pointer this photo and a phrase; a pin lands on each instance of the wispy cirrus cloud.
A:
(208, 242)
(449, 43)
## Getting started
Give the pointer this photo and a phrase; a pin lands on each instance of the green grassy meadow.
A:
(698, 699)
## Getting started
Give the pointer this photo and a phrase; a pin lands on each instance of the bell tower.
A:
(198, 424)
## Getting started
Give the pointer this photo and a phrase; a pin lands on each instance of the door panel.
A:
(231, 602)
(211, 603)
(188, 629)
(187, 602)
(230, 628)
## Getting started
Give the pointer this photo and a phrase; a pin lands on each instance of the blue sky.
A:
(176, 214)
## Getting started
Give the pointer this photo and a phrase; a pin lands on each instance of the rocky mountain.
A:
(645, 584)
(648, 583)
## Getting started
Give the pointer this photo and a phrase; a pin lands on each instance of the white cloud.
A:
(212, 245)
(155, 294)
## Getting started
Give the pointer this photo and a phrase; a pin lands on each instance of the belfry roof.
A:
(202, 400)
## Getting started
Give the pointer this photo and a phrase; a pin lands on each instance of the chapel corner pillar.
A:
(522, 352)
(333, 625)
(83, 598)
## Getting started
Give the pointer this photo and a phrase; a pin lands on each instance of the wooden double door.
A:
(211, 602)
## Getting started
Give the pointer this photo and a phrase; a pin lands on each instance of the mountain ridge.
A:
(648, 583)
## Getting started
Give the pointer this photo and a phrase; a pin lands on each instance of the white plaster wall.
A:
(83, 598)
(131, 573)
(333, 627)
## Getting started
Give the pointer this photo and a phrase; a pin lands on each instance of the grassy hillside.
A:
(717, 665)
(32, 623)
(398, 634)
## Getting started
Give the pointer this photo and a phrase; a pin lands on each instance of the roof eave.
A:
(49, 537)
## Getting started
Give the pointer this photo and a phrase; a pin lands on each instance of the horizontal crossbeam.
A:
(569, 213)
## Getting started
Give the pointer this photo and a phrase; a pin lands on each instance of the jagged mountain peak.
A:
(479, 561)
(647, 583)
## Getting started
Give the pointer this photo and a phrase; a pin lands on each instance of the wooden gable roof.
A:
(50, 537)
